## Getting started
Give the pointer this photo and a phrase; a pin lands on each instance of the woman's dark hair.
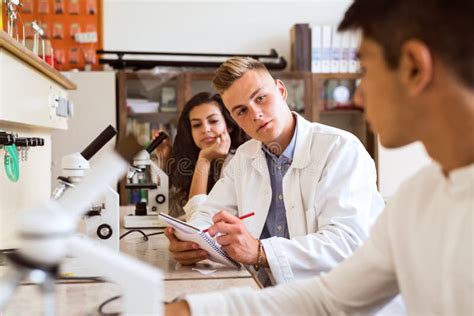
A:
(185, 153)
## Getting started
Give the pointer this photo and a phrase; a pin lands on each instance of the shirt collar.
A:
(462, 177)
(289, 150)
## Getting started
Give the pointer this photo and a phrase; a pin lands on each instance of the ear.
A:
(281, 87)
(416, 67)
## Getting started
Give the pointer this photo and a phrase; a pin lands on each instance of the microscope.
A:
(147, 177)
(101, 221)
(47, 233)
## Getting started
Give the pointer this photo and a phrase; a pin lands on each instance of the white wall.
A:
(211, 26)
(397, 165)
(94, 109)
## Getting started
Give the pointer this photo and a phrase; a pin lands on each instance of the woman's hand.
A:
(219, 149)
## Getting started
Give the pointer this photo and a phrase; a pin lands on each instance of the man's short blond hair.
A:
(233, 69)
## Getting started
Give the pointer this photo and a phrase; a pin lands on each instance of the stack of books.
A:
(333, 52)
(321, 49)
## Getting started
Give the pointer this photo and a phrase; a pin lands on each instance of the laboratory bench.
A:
(81, 297)
(84, 298)
(155, 252)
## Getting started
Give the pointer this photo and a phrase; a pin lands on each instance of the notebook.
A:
(185, 231)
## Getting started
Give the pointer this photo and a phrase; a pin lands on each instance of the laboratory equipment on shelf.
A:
(38, 34)
(47, 234)
(12, 15)
(16, 149)
(146, 176)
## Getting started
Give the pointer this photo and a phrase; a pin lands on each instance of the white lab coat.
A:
(330, 197)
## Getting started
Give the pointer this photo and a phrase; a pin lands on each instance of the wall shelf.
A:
(160, 117)
(339, 112)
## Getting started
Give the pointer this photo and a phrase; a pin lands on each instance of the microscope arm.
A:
(162, 176)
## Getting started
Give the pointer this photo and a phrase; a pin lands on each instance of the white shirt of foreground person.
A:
(422, 245)
(330, 197)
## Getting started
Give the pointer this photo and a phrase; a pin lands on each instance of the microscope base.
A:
(143, 221)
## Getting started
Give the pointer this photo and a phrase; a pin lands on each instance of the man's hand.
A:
(235, 240)
(185, 252)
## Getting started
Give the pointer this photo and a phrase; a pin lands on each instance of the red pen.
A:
(240, 217)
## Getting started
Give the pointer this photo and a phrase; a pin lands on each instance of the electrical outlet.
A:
(60, 106)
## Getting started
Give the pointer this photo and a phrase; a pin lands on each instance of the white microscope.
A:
(146, 175)
(47, 233)
(101, 221)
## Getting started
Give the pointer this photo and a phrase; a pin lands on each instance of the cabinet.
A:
(155, 100)
(148, 102)
(311, 95)
(29, 95)
(338, 110)
(298, 85)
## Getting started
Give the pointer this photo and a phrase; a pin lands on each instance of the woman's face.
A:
(207, 123)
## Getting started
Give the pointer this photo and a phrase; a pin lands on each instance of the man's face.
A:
(381, 94)
(257, 103)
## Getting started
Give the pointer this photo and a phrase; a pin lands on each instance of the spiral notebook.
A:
(185, 231)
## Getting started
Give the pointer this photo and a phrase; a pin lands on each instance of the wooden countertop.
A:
(24, 54)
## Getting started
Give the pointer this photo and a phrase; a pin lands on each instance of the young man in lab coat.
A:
(312, 187)
(418, 84)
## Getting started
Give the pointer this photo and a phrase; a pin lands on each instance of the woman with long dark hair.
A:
(206, 139)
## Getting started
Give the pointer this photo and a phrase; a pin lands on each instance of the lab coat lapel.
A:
(302, 154)
(263, 191)
(295, 211)
(292, 191)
